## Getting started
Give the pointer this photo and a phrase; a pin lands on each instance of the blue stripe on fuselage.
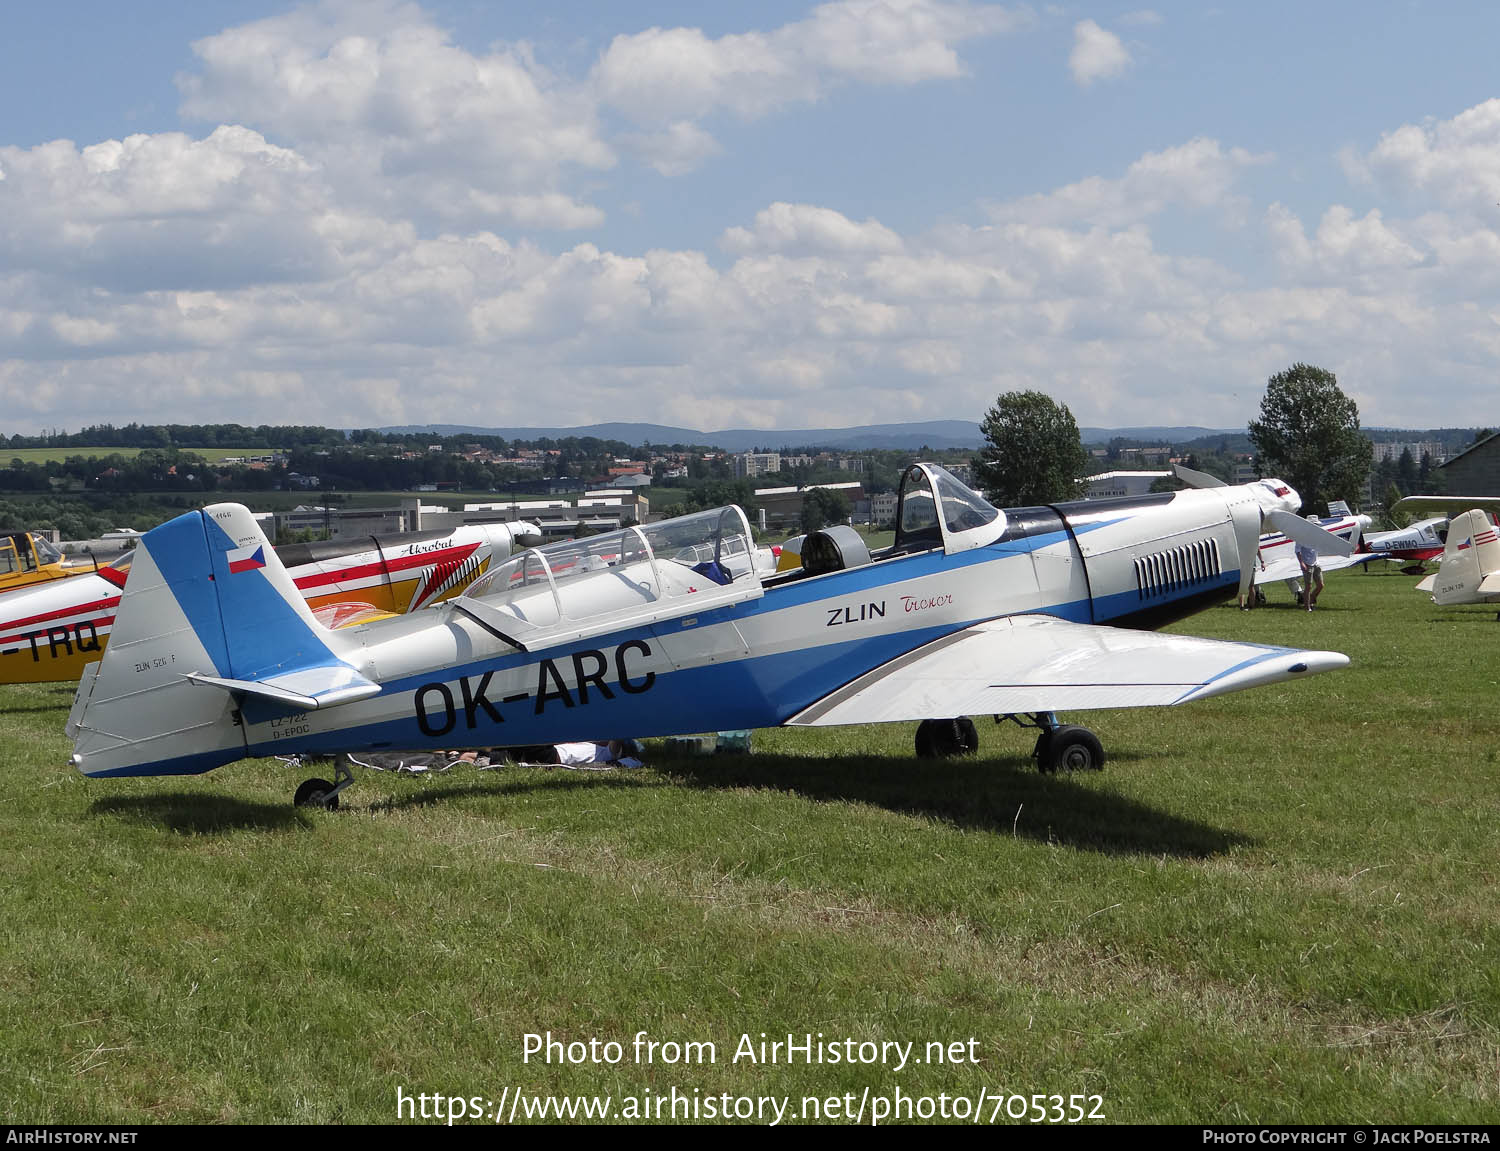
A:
(182, 765)
(760, 691)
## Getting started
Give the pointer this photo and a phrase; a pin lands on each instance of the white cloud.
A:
(677, 149)
(171, 211)
(1455, 163)
(1343, 247)
(1200, 174)
(392, 109)
(342, 248)
(668, 75)
(1097, 54)
(807, 228)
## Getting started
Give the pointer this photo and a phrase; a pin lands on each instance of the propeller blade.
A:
(1310, 534)
(1196, 479)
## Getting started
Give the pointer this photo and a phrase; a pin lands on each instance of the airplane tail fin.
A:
(208, 617)
(1471, 561)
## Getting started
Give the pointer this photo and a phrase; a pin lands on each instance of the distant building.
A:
(1418, 448)
(1108, 484)
(635, 480)
(1475, 471)
(748, 465)
(782, 507)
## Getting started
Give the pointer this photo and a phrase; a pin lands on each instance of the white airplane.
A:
(1336, 537)
(1470, 571)
(972, 611)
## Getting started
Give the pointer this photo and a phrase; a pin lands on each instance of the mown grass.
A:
(1276, 906)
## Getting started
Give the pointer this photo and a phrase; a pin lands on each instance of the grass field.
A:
(1280, 905)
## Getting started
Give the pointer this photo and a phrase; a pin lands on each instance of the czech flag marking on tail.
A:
(247, 558)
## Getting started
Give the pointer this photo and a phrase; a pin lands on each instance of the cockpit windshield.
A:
(963, 508)
(45, 552)
(937, 509)
(607, 574)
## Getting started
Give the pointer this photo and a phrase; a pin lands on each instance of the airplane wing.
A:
(1451, 504)
(1033, 663)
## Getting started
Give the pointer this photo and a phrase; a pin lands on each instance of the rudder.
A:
(207, 614)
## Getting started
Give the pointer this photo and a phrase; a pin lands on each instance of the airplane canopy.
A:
(685, 564)
(936, 508)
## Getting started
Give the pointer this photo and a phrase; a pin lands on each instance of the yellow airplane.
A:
(27, 558)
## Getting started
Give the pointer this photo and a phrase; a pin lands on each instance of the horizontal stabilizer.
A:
(1490, 585)
(308, 689)
(1428, 584)
(1036, 663)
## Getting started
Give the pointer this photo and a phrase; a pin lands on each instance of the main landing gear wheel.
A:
(1069, 748)
(945, 738)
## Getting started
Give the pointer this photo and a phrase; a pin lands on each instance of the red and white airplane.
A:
(1415, 544)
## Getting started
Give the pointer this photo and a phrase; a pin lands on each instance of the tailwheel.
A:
(945, 738)
(322, 793)
(316, 793)
(1069, 748)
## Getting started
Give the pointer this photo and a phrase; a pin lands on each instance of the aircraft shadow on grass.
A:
(556, 779)
(201, 814)
(998, 795)
(992, 795)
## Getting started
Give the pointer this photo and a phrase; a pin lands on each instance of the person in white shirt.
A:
(1312, 574)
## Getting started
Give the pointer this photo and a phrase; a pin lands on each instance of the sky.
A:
(770, 215)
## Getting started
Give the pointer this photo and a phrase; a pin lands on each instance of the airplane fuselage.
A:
(1417, 542)
(662, 650)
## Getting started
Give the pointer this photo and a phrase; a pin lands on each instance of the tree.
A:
(1308, 434)
(1033, 455)
(1392, 494)
(1406, 469)
(821, 507)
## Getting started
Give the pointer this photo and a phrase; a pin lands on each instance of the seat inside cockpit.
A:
(934, 510)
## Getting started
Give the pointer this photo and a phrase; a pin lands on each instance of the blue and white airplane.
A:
(672, 628)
